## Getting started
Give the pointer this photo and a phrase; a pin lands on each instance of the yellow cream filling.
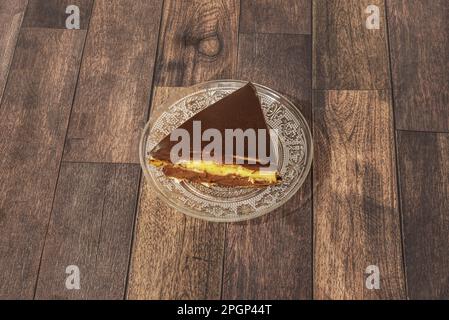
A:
(213, 168)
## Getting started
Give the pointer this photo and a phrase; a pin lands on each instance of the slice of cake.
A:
(227, 143)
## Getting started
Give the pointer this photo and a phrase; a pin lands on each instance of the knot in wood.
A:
(209, 46)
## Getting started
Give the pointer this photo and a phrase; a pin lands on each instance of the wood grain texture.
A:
(424, 181)
(281, 62)
(278, 16)
(52, 13)
(271, 257)
(198, 42)
(174, 256)
(356, 218)
(33, 122)
(419, 44)
(91, 227)
(346, 54)
(11, 15)
(113, 93)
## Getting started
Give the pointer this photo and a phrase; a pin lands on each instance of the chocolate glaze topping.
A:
(241, 109)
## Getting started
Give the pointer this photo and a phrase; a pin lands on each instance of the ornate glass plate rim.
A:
(230, 204)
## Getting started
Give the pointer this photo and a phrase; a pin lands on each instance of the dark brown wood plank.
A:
(356, 217)
(91, 227)
(33, 122)
(271, 257)
(52, 13)
(174, 256)
(281, 62)
(424, 181)
(419, 44)
(278, 16)
(11, 15)
(346, 54)
(198, 42)
(114, 88)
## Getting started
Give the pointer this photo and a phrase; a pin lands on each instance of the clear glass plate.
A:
(229, 204)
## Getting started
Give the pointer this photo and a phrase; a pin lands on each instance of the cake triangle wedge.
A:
(228, 144)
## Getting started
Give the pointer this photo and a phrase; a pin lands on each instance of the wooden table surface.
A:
(74, 102)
